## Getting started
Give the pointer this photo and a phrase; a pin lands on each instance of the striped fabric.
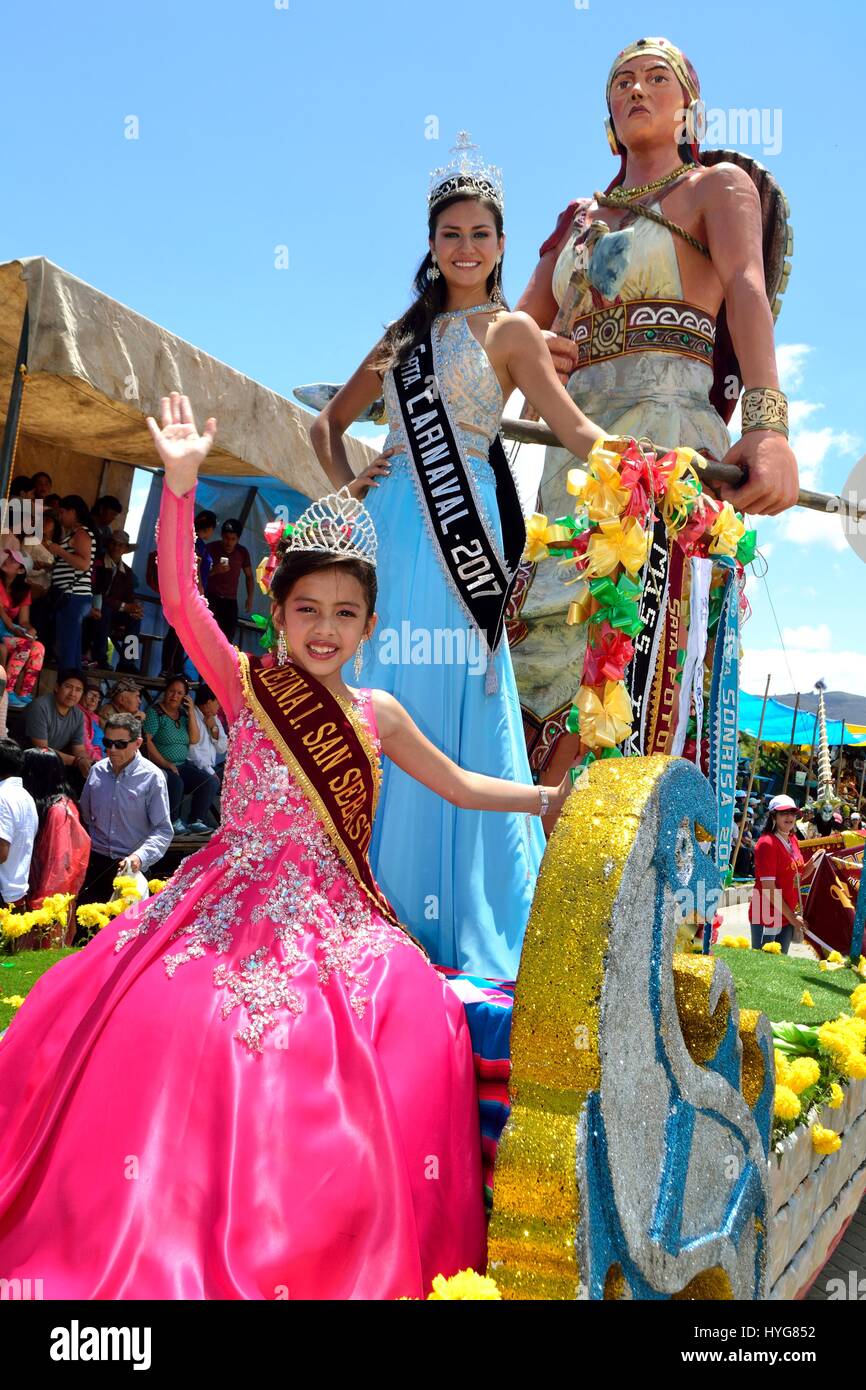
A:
(65, 576)
(488, 1005)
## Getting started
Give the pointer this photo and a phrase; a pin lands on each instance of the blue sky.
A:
(304, 125)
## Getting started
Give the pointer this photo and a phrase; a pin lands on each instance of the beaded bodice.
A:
(466, 380)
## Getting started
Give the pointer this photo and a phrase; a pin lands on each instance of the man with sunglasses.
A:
(125, 808)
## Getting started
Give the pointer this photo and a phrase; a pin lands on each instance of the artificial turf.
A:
(775, 984)
(19, 973)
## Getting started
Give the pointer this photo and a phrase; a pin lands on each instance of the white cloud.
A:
(803, 527)
(842, 670)
(791, 361)
(813, 639)
(813, 446)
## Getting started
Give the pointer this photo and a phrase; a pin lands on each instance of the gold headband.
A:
(659, 48)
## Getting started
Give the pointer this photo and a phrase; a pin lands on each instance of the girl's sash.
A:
(328, 752)
(480, 576)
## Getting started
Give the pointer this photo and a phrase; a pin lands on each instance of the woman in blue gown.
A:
(462, 880)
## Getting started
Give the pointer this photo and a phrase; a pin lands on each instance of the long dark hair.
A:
(76, 504)
(401, 336)
(44, 777)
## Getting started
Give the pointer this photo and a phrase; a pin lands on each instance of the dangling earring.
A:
(433, 271)
(496, 292)
(696, 122)
(282, 649)
(359, 659)
(611, 138)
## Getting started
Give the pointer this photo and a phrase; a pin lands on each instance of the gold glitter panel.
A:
(702, 1031)
(754, 1072)
(554, 1048)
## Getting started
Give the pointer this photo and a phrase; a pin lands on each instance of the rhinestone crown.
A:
(338, 524)
(465, 173)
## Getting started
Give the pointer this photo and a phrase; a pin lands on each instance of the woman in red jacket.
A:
(775, 909)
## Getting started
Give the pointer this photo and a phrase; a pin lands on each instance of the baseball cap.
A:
(16, 555)
(782, 803)
(121, 538)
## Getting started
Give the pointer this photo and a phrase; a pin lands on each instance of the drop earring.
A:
(282, 649)
(433, 271)
(496, 292)
(359, 659)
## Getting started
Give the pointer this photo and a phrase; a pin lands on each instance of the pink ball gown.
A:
(252, 1086)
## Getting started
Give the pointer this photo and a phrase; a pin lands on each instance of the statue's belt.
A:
(645, 325)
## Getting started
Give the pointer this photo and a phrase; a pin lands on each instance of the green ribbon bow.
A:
(268, 639)
(575, 527)
(747, 547)
(618, 603)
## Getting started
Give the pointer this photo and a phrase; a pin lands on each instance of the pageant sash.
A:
(328, 752)
(692, 685)
(653, 601)
(724, 698)
(481, 577)
(665, 689)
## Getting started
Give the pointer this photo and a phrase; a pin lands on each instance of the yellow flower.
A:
(616, 543)
(834, 958)
(853, 1065)
(772, 948)
(607, 721)
(16, 1000)
(727, 531)
(825, 1141)
(803, 1073)
(786, 1106)
(602, 492)
(783, 1067)
(822, 965)
(126, 887)
(467, 1285)
(156, 885)
(806, 1000)
(837, 1095)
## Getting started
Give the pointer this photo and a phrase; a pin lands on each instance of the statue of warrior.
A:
(658, 300)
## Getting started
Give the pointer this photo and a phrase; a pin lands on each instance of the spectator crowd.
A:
(92, 784)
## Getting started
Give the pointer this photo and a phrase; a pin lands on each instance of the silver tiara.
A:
(338, 524)
(465, 173)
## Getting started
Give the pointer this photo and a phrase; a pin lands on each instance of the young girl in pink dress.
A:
(256, 1085)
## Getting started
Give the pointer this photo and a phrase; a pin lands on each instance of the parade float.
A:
(659, 1122)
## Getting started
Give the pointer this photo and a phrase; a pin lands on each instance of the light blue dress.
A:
(461, 881)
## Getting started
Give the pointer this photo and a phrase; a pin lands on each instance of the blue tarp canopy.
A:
(778, 720)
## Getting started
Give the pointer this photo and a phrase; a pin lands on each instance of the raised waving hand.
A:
(179, 444)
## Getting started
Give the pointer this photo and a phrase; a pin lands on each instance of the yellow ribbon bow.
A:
(727, 531)
(602, 492)
(683, 487)
(616, 543)
(607, 721)
(539, 535)
(580, 607)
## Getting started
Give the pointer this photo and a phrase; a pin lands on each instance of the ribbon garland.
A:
(607, 542)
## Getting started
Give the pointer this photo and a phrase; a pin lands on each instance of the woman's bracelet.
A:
(544, 799)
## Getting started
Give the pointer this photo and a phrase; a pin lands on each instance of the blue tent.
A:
(778, 720)
(254, 501)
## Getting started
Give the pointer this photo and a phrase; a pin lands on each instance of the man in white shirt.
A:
(19, 823)
(210, 751)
